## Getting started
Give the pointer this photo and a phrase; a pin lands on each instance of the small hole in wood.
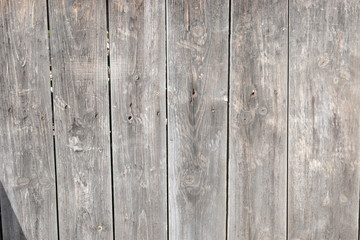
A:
(193, 92)
(253, 94)
(66, 107)
(130, 118)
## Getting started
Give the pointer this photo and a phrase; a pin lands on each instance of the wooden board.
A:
(324, 122)
(137, 43)
(197, 49)
(27, 174)
(258, 119)
(81, 108)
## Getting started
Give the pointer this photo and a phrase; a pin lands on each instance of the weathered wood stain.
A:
(324, 126)
(81, 113)
(138, 105)
(179, 119)
(27, 173)
(197, 106)
(258, 118)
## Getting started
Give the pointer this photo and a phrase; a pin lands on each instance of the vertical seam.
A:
(287, 119)
(228, 125)
(53, 119)
(110, 116)
(167, 123)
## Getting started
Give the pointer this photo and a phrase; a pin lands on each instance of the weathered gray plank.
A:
(138, 81)
(81, 108)
(27, 175)
(324, 122)
(197, 107)
(258, 118)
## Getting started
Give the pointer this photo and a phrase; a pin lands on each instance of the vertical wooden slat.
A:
(137, 44)
(81, 108)
(197, 36)
(258, 120)
(324, 122)
(27, 175)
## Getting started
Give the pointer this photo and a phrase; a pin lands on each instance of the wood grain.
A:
(138, 90)
(197, 36)
(81, 108)
(282, 163)
(27, 174)
(324, 123)
(258, 118)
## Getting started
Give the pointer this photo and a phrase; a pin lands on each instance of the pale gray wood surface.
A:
(81, 108)
(258, 118)
(27, 174)
(293, 168)
(138, 81)
(324, 122)
(197, 48)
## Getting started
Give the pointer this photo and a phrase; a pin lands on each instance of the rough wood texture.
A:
(137, 42)
(258, 118)
(81, 107)
(27, 179)
(319, 151)
(324, 122)
(197, 108)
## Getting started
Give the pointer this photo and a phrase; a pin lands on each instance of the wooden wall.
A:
(179, 119)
